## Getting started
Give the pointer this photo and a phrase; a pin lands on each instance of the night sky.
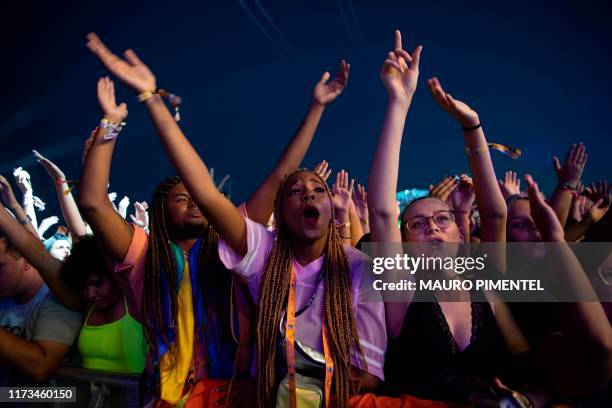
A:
(538, 75)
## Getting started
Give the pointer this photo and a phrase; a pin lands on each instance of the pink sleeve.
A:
(129, 273)
(243, 210)
(251, 266)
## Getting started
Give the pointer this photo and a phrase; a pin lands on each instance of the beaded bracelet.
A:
(112, 128)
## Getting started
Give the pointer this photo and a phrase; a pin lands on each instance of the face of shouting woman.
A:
(305, 207)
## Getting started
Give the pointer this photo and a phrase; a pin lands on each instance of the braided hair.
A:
(215, 281)
(339, 316)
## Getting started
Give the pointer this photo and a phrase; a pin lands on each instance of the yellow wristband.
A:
(146, 95)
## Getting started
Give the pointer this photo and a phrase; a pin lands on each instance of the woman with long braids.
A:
(303, 269)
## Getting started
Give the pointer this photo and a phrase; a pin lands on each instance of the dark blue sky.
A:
(538, 75)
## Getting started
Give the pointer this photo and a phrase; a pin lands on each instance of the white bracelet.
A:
(112, 128)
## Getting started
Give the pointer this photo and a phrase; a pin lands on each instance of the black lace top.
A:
(425, 361)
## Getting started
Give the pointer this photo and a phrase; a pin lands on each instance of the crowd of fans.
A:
(260, 304)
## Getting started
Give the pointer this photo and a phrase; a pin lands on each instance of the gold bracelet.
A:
(174, 100)
(146, 95)
(344, 225)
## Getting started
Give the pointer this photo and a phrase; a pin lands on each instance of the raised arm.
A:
(220, 212)
(595, 213)
(342, 200)
(22, 178)
(141, 216)
(45, 224)
(511, 184)
(71, 213)
(360, 198)
(584, 325)
(261, 204)
(568, 177)
(10, 201)
(462, 199)
(491, 204)
(112, 231)
(30, 247)
(399, 75)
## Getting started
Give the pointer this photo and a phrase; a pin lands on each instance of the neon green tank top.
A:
(118, 346)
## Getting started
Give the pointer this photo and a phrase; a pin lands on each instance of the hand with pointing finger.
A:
(400, 71)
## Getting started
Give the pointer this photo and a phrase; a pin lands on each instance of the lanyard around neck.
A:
(290, 345)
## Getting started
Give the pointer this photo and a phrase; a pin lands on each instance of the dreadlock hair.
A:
(215, 282)
(339, 316)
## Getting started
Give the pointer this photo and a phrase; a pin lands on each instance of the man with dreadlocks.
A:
(176, 227)
(303, 265)
(174, 282)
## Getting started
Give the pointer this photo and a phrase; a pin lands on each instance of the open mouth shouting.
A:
(311, 215)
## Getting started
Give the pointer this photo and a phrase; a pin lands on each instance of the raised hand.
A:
(572, 169)
(463, 196)
(400, 72)
(141, 216)
(51, 167)
(511, 184)
(443, 189)
(106, 97)
(360, 198)
(599, 191)
(457, 109)
(576, 210)
(6, 194)
(322, 169)
(22, 178)
(46, 224)
(130, 71)
(123, 206)
(342, 192)
(543, 215)
(326, 92)
(597, 210)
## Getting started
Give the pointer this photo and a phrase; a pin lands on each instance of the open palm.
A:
(106, 97)
(326, 92)
(130, 71)
(459, 110)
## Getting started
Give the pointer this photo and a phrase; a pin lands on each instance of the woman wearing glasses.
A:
(445, 347)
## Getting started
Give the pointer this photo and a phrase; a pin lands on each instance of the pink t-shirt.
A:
(370, 315)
